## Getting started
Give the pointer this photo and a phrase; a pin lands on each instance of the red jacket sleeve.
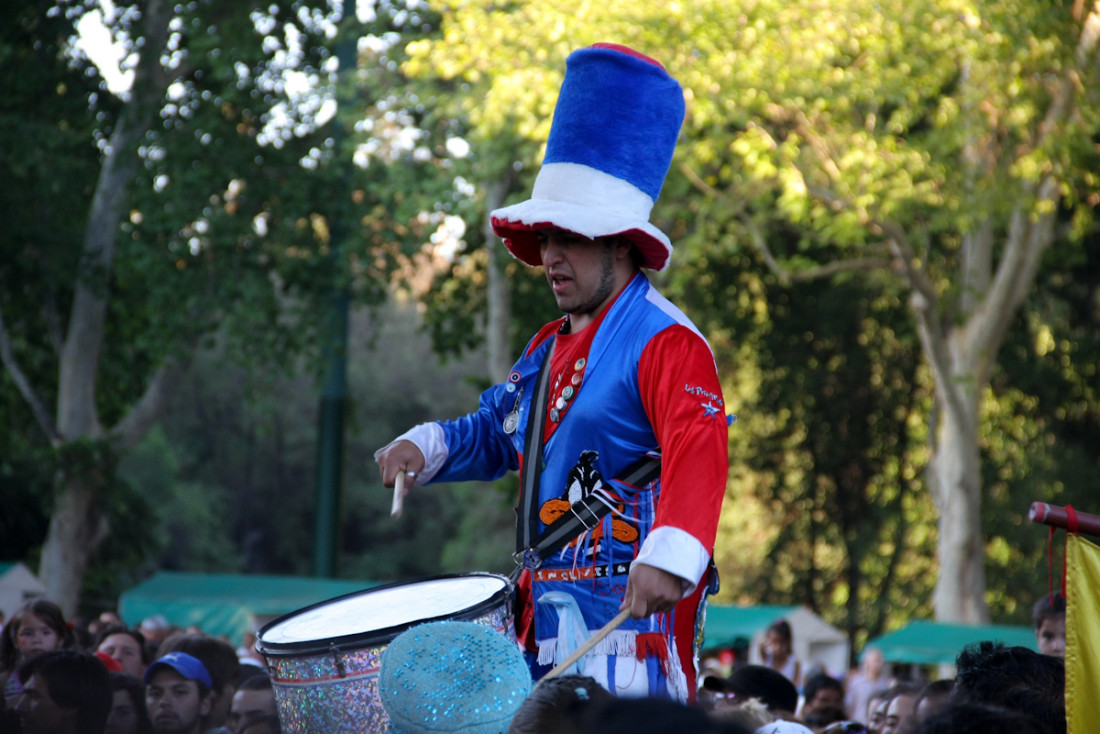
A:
(683, 399)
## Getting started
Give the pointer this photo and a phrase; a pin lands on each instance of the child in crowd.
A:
(37, 627)
(777, 651)
(1048, 619)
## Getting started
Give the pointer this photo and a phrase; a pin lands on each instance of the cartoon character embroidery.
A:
(583, 481)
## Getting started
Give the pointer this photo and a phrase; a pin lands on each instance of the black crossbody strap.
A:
(532, 457)
(586, 513)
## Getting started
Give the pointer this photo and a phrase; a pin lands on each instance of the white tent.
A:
(816, 642)
(17, 584)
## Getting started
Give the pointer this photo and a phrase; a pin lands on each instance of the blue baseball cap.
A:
(189, 666)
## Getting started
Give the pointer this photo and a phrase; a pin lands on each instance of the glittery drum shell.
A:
(329, 683)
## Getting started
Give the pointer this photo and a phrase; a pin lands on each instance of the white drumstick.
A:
(398, 494)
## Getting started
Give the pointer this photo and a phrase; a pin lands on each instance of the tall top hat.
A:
(611, 141)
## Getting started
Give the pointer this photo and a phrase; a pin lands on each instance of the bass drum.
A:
(324, 659)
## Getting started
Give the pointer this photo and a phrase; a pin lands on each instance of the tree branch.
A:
(11, 364)
(785, 276)
(922, 302)
(79, 358)
(1028, 239)
(136, 423)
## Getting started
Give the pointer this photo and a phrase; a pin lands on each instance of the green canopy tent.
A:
(815, 640)
(938, 643)
(226, 604)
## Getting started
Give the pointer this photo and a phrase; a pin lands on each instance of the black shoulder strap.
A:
(585, 513)
(532, 456)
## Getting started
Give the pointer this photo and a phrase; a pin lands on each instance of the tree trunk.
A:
(500, 302)
(76, 525)
(960, 587)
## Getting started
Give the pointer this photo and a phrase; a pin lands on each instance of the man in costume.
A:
(622, 378)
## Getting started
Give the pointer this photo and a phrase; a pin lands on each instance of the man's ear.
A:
(206, 705)
(622, 247)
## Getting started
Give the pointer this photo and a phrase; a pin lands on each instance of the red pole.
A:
(1057, 516)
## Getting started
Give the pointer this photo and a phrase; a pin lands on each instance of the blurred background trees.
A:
(855, 188)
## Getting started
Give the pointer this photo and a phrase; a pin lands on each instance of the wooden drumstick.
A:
(398, 494)
(590, 643)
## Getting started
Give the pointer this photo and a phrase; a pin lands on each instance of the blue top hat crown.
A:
(611, 143)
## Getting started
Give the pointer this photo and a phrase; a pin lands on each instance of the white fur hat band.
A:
(611, 142)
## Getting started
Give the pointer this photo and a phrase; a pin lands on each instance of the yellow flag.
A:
(1082, 636)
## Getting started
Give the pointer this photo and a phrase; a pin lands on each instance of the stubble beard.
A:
(604, 288)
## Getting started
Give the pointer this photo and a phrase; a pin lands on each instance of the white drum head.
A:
(394, 607)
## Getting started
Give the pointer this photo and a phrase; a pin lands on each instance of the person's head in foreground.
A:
(452, 676)
(64, 692)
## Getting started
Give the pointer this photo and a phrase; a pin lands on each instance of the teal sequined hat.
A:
(452, 677)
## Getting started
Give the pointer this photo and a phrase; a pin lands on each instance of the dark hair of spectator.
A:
(782, 628)
(121, 629)
(1014, 678)
(136, 689)
(936, 689)
(556, 705)
(74, 680)
(256, 682)
(219, 657)
(652, 716)
(45, 610)
(1045, 608)
(908, 689)
(970, 718)
(818, 683)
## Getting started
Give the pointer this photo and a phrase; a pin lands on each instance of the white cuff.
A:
(677, 552)
(429, 438)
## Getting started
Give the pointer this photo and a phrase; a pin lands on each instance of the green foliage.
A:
(232, 466)
(811, 129)
(243, 219)
(24, 513)
(825, 507)
(1041, 428)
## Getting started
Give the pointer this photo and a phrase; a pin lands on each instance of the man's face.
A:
(898, 714)
(825, 698)
(579, 270)
(126, 651)
(777, 645)
(175, 704)
(123, 718)
(39, 713)
(219, 704)
(873, 662)
(250, 705)
(876, 714)
(1051, 636)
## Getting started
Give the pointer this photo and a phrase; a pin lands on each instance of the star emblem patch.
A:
(709, 410)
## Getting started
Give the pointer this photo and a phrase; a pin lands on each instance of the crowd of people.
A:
(994, 685)
(59, 677)
(110, 678)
